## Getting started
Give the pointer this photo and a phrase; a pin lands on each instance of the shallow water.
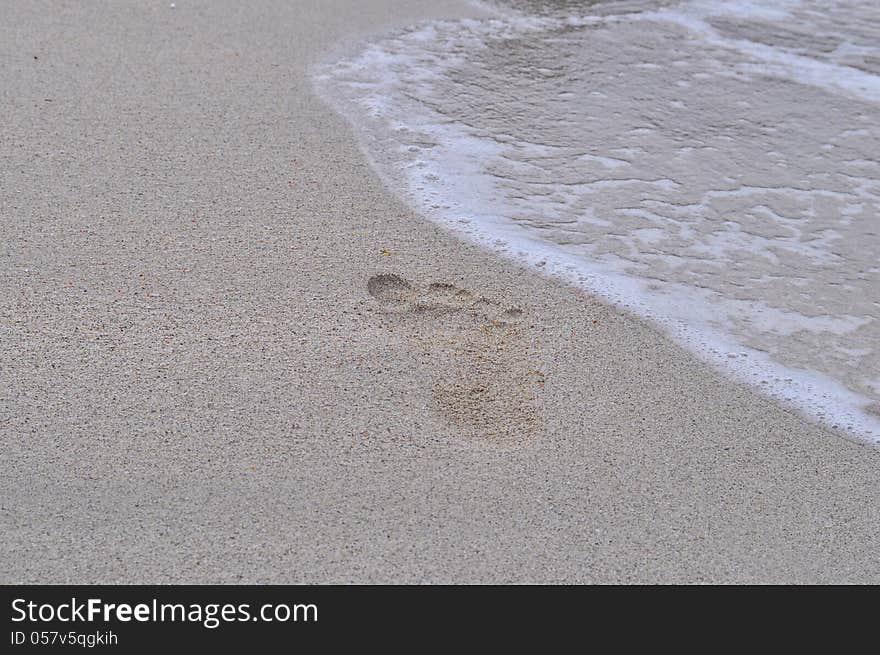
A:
(712, 166)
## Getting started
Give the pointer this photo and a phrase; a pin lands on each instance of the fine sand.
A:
(227, 354)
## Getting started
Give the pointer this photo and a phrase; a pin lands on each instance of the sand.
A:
(228, 354)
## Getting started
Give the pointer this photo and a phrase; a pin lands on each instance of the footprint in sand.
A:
(485, 378)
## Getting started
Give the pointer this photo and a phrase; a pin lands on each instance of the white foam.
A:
(774, 60)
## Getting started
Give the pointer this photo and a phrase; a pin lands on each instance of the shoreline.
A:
(438, 185)
(204, 388)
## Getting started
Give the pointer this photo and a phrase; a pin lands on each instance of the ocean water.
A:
(711, 166)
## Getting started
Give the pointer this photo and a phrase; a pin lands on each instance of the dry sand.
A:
(200, 383)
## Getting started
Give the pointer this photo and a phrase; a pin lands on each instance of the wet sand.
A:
(228, 354)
